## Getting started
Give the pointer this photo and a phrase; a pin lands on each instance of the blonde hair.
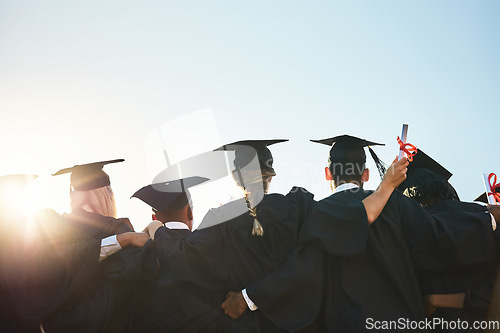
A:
(100, 200)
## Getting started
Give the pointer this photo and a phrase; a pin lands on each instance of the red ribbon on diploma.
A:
(408, 148)
(494, 186)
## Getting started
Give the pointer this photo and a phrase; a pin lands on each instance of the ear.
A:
(328, 174)
(365, 176)
(189, 221)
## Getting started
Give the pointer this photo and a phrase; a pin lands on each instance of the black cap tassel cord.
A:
(381, 166)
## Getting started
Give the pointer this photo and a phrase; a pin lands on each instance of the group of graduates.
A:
(261, 263)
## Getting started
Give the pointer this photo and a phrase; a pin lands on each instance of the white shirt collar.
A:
(345, 187)
(176, 225)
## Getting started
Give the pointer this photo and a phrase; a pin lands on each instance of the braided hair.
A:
(252, 184)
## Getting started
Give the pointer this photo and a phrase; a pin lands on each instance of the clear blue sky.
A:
(90, 80)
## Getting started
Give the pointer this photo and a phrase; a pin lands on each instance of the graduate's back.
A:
(376, 281)
(227, 256)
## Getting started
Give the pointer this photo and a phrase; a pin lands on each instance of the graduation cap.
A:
(427, 180)
(168, 195)
(350, 149)
(245, 151)
(90, 176)
(420, 167)
(422, 160)
(484, 197)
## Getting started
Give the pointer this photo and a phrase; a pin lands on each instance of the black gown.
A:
(482, 299)
(10, 321)
(380, 282)
(372, 273)
(60, 282)
(455, 281)
(208, 263)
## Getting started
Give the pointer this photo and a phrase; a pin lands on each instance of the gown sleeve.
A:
(290, 297)
(194, 258)
(51, 275)
(446, 241)
(336, 228)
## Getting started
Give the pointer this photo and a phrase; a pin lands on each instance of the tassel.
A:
(381, 166)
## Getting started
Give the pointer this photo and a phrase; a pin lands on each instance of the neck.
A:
(354, 182)
(183, 217)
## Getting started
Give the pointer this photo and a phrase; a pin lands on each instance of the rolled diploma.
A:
(404, 134)
(491, 198)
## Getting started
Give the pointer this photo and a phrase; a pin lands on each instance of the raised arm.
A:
(395, 175)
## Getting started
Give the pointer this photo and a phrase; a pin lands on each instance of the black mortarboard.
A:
(86, 177)
(168, 195)
(484, 197)
(350, 149)
(246, 150)
(427, 180)
(422, 160)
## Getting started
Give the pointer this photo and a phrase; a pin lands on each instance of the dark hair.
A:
(168, 215)
(349, 167)
(427, 187)
(346, 172)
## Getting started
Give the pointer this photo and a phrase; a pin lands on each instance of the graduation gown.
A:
(9, 318)
(455, 281)
(61, 283)
(291, 296)
(208, 263)
(377, 279)
(482, 298)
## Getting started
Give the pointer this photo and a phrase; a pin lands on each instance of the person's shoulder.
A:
(455, 205)
(300, 193)
(471, 206)
(347, 195)
(274, 207)
(50, 223)
(398, 197)
(124, 222)
(223, 213)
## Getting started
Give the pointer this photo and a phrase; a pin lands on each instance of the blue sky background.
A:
(90, 80)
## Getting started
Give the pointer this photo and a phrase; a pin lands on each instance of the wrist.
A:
(386, 186)
(433, 301)
(250, 304)
(447, 300)
(123, 239)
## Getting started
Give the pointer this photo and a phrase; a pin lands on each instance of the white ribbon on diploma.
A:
(404, 134)
(491, 198)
